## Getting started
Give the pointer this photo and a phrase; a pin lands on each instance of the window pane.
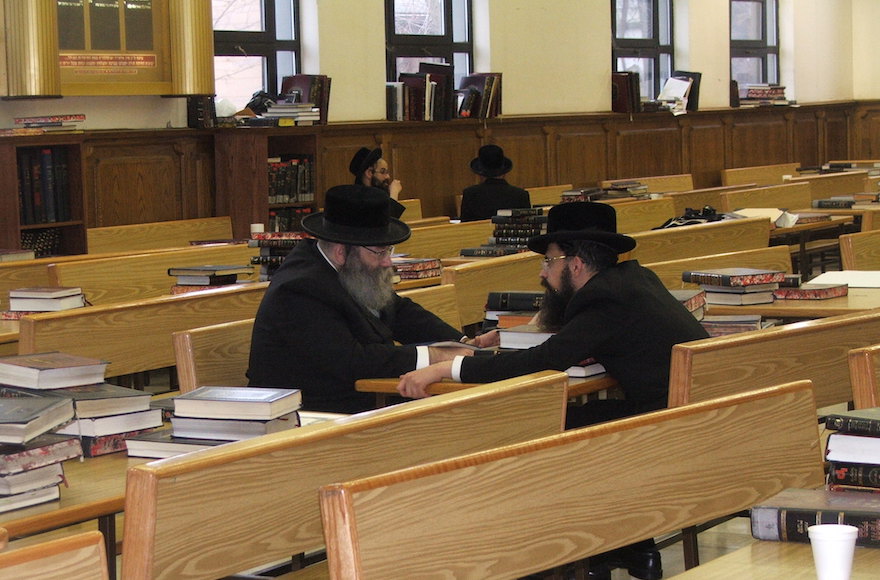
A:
(746, 70)
(771, 23)
(240, 15)
(459, 21)
(418, 17)
(745, 20)
(286, 63)
(284, 24)
(461, 62)
(665, 22)
(237, 78)
(645, 68)
(410, 64)
(772, 69)
(634, 19)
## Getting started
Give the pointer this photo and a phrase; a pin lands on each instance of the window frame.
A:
(428, 46)
(758, 48)
(264, 44)
(650, 48)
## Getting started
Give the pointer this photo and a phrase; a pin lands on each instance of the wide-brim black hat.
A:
(491, 162)
(582, 220)
(364, 159)
(356, 215)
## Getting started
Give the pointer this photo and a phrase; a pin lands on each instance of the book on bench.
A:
(214, 402)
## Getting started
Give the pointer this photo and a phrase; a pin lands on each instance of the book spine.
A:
(849, 473)
(790, 524)
(514, 300)
(728, 280)
(854, 425)
(47, 184)
(833, 203)
(500, 251)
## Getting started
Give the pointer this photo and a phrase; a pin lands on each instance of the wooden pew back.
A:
(77, 557)
(658, 183)
(155, 235)
(864, 372)
(700, 198)
(643, 215)
(759, 174)
(473, 281)
(136, 336)
(412, 209)
(860, 251)
(823, 186)
(791, 196)
(711, 238)
(268, 486)
(445, 241)
(771, 257)
(548, 194)
(816, 350)
(138, 276)
(523, 508)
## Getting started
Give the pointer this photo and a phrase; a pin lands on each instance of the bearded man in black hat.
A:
(370, 169)
(330, 315)
(482, 201)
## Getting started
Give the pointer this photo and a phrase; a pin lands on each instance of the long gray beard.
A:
(371, 288)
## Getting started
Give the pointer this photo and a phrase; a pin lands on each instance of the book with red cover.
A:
(104, 444)
(812, 292)
(733, 276)
(42, 450)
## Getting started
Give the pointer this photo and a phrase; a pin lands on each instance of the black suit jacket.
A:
(480, 202)
(311, 335)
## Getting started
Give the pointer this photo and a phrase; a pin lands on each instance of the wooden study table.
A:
(800, 234)
(8, 337)
(856, 300)
(865, 212)
(95, 491)
(790, 560)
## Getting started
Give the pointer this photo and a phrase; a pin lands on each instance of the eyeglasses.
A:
(385, 251)
(546, 262)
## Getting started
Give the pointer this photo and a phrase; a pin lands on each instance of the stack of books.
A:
(525, 336)
(24, 301)
(512, 229)
(191, 278)
(274, 247)
(694, 300)
(850, 495)
(506, 308)
(213, 415)
(406, 268)
(291, 180)
(736, 286)
(289, 113)
(724, 324)
(32, 471)
(811, 291)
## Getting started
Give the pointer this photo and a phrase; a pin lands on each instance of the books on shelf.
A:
(291, 179)
(43, 185)
(52, 474)
(786, 516)
(522, 336)
(29, 498)
(46, 298)
(15, 255)
(308, 88)
(479, 95)
(214, 402)
(625, 92)
(50, 370)
(24, 417)
(162, 443)
(40, 451)
(231, 429)
(811, 291)
(733, 276)
(113, 424)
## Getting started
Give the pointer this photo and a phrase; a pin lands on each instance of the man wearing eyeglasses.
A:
(370, 169)
(330, 315)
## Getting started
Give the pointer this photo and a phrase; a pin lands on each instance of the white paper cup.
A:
(833, 546)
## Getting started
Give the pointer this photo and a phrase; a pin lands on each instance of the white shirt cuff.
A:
(423, 357)
(456, 368)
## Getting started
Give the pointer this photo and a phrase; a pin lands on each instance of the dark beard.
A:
(371, 287)
(382, 184)
(551, 316)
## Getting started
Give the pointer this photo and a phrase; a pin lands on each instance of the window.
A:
(754, 41)
(641, 41)
(430, 31)
(256, 44)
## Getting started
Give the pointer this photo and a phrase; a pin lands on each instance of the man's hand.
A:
(394, 188)
(486, 340)
(414, 384)
(445, 353)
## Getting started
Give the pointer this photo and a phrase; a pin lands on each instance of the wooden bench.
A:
(860, 251)
(77, 557)
(791, 196)
(528, 507)
(864, 371)
(816, 350)
(138, 276)
(657, 183)
(771, 257)
(155, 235)
(759, 174)
(218, 354)
(643, 215)
(446, 241)
(700, 198)
(412, 209)
(823, 186)
(710, 238)
(474, 280)
(547, 194)
(245, 504)
(136, 336)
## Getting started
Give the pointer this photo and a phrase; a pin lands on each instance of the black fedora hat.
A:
(582, 220)
(363, 160)
(356, 215)
(491, 162)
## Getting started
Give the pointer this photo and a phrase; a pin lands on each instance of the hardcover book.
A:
(29, 498)
(739, 299)
(851, 447)
(231, 429)
(812, 292)
(32, 479)
(162, 443)
(848, 473)
(106, 444)
(522, 336)
(514, 300)
(237, 402)
(857, 422)
(24, 417)
(41, 450)
(45, 292)
(491, 251)
(786, 516)
(113, 424)
(733, 276)
(209, 270)
(50, 370)
(207, 280)
(101, 399)
(46, 304)
(692, 299)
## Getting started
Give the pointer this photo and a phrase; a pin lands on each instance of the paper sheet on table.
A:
(855, 278)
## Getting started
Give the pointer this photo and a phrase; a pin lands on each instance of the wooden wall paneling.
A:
(703, 150)
(9, 201)
(809, 136)
(837, 131)
(581, 154)
(202, 168)
(242, 178)
(865, 138)
(758, 139)
(527, 149)
(650, 148)
(334, 152)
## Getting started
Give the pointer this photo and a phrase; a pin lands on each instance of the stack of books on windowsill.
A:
(213, 415)
(24, 301)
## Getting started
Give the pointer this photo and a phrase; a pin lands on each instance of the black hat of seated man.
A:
(582, 220)
(356, 215)
(491, 162)
(363, 160)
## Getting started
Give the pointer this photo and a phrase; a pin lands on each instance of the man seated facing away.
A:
(330, 315)
(482, 201)
(616, 312)
(371, 170)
